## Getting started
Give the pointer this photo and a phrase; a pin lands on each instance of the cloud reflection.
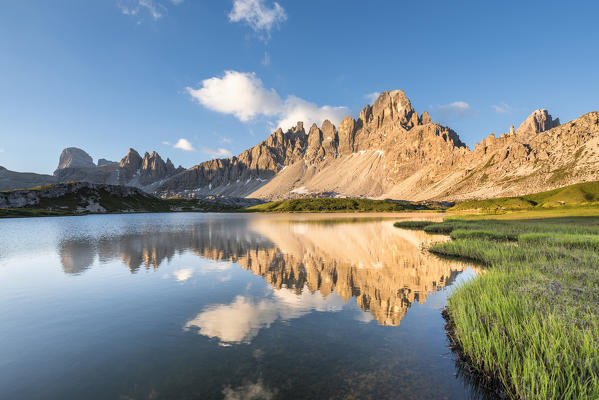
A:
(183, 274)
(381, 267)
(250, 391)
(241, 320)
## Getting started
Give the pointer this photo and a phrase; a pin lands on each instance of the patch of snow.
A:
(362, 152)
(379, 152)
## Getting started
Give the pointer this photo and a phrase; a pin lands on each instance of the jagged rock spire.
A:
(538, 121)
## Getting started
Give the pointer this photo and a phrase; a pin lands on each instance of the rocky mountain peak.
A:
(153, 168)
(314, 149)
(73, 157)
(103, 161)
(393, 106)
(299, 127)
(425, 118)
(170, 168)
(538, 121)
(132, 161)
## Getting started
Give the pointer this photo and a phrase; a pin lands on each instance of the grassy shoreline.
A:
(68, 206)
(530, 323)
(332, 205)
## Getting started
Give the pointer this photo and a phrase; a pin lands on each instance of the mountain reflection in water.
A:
(313, 264)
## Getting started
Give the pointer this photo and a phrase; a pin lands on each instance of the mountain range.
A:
(388, 151)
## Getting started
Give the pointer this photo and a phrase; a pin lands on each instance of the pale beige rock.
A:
(390, 152)
(538, 121)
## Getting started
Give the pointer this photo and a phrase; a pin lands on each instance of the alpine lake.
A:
(226, 306)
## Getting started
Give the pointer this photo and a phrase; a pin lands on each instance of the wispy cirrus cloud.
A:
(183, 144)
(218, 152)
(243, 95)
(457, 108)
(138, 8)
(371, 97)
(502, 108)
(266, 59)
(258, 15)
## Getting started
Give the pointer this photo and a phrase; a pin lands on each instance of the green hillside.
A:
(339, 205)
(581, 194)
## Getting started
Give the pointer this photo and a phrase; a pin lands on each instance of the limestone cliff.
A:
(390, 151)
(133, 170)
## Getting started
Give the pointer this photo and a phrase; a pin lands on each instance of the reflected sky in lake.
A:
(224, 306)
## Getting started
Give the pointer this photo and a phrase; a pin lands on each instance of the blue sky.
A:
(107, 75)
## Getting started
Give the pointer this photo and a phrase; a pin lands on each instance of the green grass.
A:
(530, 322)
(31, 212)
(337, 205)
(582, 194)
(412, 224)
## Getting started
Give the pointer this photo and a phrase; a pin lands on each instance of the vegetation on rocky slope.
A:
(340, 205)
(582, 194)
(529, 324)
(77, 199)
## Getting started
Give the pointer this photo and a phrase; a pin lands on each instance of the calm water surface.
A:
(183, 306)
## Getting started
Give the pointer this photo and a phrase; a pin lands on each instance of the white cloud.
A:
(176, 2)
(243, 95)
(226, 140)
(459, 108)
(502, 108)
(217, 153)
(296, 109)
(1, 150)
(237, 93)
(184, 144)
(240, 321)
(257, 14)
(166, 143)
(371, 97)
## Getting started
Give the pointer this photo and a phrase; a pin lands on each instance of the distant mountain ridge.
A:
(388, 151)
(133, 170)
(10, 180)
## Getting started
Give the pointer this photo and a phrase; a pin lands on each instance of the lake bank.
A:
(529, 323)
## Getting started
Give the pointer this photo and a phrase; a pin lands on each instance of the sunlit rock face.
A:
(310, 263)
(383, 267)
(392, 151)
